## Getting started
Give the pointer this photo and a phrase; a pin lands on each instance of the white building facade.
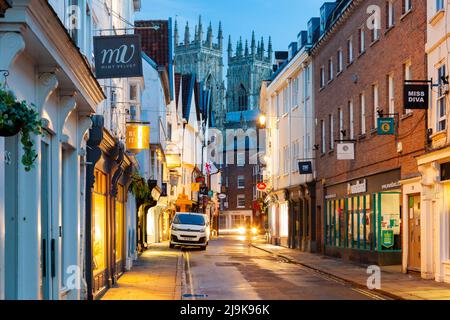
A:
(49, 62)
(434, 166)
(288, 103)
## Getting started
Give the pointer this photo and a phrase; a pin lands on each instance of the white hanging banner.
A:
(346, 151)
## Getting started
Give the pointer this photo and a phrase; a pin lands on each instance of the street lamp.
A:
(262, 120)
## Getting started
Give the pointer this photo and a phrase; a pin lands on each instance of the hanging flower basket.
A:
(19, 117)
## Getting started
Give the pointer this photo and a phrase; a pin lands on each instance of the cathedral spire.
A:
(230, 47)
(253, 45)
(240, 47)
(246, 48)
(270, 49)
(209, 36)
(220, 36)
(187, 36)
(200, 29)
(258, 51)
(175, 32)
(262, 47)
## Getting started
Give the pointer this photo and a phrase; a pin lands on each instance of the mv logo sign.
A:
(118, 56)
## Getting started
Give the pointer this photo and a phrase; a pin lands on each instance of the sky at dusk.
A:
(281, 19)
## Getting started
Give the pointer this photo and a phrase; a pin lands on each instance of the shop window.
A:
(119, 223)
(99, 213)
(366, 222)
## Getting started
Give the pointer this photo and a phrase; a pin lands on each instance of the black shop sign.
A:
(416, 96)
(118, 56)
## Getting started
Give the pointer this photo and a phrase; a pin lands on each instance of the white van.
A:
(190, 229)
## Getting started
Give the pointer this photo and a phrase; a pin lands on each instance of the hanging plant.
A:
(19, 117)
(140, 189)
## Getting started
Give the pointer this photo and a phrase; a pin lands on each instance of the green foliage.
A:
(140, 189)
(19, 116)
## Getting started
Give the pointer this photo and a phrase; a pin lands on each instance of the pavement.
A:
(394, 284)
(154, 276)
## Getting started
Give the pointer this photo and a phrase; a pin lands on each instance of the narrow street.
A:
(229, 270)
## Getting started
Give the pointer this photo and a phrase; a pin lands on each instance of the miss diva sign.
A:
(118, 56)
(416, 96)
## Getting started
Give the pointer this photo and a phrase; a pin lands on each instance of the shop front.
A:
(434, 218)
(302, 218)
(108, 180)
(362, 219)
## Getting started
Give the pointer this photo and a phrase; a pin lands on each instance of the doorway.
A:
(48, 245)
(414, 254)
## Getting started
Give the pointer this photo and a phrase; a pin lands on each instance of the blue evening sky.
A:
(281, 19)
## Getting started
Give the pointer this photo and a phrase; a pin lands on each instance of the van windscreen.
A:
(191, 219)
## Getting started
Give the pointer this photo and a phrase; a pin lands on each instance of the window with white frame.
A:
(241, 182)
(407, 6)
(241, 201)
(439, 5)
(362, 100)
(324, 143)
(341, 124)
(441, 112)
(350, 50)
(340, 61)
(295, 92)
(351, 120)
(391, 93)
(286, 100)
(408, 76)
(133, 92)
(322, 77)
(330, 69)
(362, 40)
(375, 105)
(285, 159)
(295, 155)
(389, 14)
(241, 158)
(331, 129)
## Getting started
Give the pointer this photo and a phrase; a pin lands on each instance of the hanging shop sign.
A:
(261, 186)
(138, 137)
(386, 126)
(387, 238)
(195, 187)
(222, 196)
(305, 167)
(346, 151)
(204, 191)
(118, 56)
(416, 96)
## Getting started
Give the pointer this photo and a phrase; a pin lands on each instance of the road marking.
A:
(368, 294)
(188, 271)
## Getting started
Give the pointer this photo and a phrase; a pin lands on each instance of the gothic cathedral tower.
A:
(246, 71)
(204, 58)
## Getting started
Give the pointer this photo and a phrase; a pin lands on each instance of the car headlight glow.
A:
(254, 230)
(241, 230)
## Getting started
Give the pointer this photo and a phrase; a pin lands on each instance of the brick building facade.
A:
(358, 72)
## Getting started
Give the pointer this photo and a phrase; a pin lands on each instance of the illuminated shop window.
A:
(99, 213)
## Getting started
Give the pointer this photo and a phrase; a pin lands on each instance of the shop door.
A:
(47, 243)
(296, 207)
(414, 233)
